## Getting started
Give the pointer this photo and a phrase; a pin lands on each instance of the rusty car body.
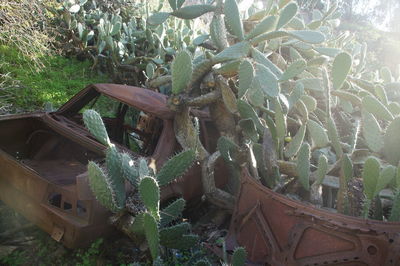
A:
(276, 230)
(43, 158)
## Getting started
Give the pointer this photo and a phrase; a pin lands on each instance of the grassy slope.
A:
(58, 80)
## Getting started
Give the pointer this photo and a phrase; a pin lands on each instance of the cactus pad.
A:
(95, 124)
(176, 167)
(181, 70)
(150, 195)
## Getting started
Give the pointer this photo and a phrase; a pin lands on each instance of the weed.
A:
(89, 256)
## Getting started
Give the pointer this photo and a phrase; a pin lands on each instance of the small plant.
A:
(89, 256)
(147, 219)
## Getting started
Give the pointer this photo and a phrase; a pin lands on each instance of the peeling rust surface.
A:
(276, 230)
(43, 158)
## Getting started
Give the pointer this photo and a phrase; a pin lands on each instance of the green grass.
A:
(56, 82)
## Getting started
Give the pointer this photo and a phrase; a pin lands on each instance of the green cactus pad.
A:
(95, 124)
(176, 167)
(173, 233)
(218, 32)
(375, 107)
(255, 95)
(229, 69)
(294, 54)
(313, 84)
(347, 168)
(158, 18)
(280, 121)
(381, 93)
(309, 102)
(98, 182)
(239, 257)
(268, 81)
(152, 234)
(372, 132)
(334, 136)
(143, 168)
(192, 11)
(318, 61)
(391, 142)
(200, 70)
(172, 212)
(263, 60)
(247, 111)
(328, 51)
(150, 195)
(303, 165)
(394, 108)
(296, 94)
(229, 98)
(232, 18)
(302, 108)
(116, 175)
(387, 174)
(294, 69)
(246, 74)
(129, 169)
(370, 176)
(249, 129)
(340, 69)
(308, 36)
(287, 14)
(344, 95)
(322, 169)
(236, 51)
(282, 3)
(265, 25)
(386, 74)
(227, 148)
(181, 70)
(294, 146)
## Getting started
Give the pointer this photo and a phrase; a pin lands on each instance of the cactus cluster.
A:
(295, 103)
(299, 100)
(122, 41)
(110, 188)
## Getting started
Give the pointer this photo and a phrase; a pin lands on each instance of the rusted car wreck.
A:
(43, 157)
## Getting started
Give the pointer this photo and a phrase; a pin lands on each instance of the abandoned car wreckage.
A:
(43, 175)
(43, 158)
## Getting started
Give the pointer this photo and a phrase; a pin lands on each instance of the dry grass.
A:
(24, 24)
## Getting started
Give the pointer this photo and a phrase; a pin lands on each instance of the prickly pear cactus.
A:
(176, 167)
(96, 126)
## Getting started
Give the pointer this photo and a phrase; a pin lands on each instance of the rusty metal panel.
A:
(146, 100)
(276, 230)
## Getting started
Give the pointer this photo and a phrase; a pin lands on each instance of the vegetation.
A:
(55, 82)
(298, 103)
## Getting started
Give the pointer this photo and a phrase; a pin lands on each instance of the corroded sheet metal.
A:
(146, 100)
(276, 230)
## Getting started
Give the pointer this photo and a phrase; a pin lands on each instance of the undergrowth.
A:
(24, 88)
